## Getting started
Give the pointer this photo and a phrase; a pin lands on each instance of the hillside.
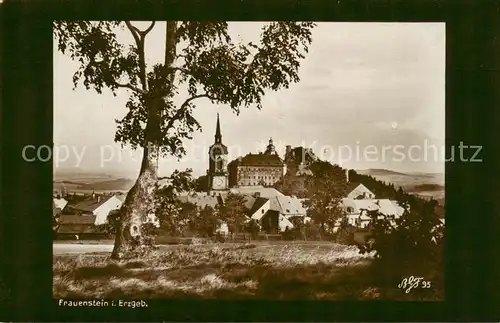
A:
(87, 181)
(424, 185)
(116, 184)
(410, 182)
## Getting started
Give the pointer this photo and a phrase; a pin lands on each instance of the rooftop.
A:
(384, 206)
(266, 192)
(258, 203)
(287, 205)
(91, 204)
(200, 199)
(260, 160)
(60, 202)
(65, 219)
(75, 228)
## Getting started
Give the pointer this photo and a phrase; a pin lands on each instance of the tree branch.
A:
(134, 31)
(185, 106)
(129, 86)
(139, 41)
(145, 32)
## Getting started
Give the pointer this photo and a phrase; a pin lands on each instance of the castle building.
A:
(263, 169)
(217, 165)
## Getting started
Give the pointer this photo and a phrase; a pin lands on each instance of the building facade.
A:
(263, 169)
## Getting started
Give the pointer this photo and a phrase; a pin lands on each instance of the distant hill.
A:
(410, 182)
(425, 185)
(380, 172)
(116, 184)
(78, 180)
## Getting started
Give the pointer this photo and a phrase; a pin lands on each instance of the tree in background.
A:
(168, 208)
(292, 185)
(201, 184)
(325, 189)
(233, 212)
(253, 228)
(206, 222)
(199, 56)
(413, 241)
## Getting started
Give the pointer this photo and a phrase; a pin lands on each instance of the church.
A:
(262, 169)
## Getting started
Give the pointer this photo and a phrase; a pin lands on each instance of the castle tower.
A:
(270, 149)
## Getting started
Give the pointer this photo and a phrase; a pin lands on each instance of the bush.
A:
(345, 233)
(413, 241)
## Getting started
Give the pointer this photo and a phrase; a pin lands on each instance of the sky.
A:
(371, 95)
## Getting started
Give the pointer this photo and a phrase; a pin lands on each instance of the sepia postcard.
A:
(305, 165)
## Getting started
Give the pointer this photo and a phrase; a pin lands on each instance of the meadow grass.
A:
(235, 271)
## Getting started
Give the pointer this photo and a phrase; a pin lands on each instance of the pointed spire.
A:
(218, 135)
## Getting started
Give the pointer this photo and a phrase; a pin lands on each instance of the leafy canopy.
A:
(233, 212)
(324, 190)
(207, 61)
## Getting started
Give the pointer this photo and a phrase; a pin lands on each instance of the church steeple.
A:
(217, 165)
(218, 135)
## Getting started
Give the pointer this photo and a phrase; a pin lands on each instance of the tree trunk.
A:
(138, 204)
(140, 201)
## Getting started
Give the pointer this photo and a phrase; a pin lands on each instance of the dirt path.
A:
(84, 248)
(71, 248)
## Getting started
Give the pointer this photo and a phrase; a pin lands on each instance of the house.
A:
(259, 208)
(261, 191)
(200, 199)
(274, 214)
(75, 225)
(98, 205)
(357, 209)
(56, 211)
(359, 191)
(60, 202)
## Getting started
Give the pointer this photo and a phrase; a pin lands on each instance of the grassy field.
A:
(232, 271)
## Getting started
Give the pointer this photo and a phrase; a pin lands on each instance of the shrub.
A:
(415, 240)
(345, 233)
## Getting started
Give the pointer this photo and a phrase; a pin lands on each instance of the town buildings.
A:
(254, 169)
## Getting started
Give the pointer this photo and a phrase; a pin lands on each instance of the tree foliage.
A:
(292, 185)
(252, 227)
(414, 239)
(173, 214)
(201, 184)
(210, 64)
(233, 212)
(325, 189)
(206, 222)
